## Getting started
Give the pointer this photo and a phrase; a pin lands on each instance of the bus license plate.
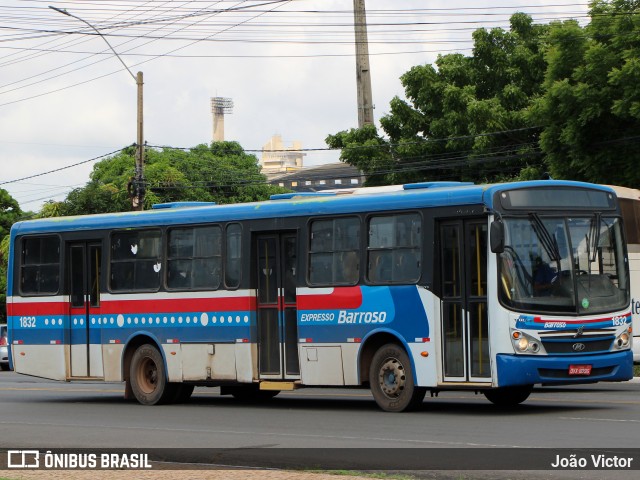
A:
(579, 369)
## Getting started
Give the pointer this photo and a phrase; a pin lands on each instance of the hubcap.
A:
(392, 378)
(148, 376)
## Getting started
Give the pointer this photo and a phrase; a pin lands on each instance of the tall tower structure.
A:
(363, 75)
(220, 106)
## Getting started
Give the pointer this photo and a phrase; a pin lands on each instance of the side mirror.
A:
(496, 236)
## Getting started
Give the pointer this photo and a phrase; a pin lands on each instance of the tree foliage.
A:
(221, 172)
(445, 129)
(561, 97)
(591, 106)
(9, 214)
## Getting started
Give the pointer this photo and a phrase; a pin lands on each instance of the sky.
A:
(66, 100)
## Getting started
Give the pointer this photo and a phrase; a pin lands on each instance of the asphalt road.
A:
(37, 413)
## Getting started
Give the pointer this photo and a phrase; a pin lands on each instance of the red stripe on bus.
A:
(37, 308)
(179, 305)
(340, 298)
(140, 306)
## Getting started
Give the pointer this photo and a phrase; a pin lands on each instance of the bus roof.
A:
(377, 199)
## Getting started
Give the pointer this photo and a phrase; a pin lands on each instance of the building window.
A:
(338, 182)
(354, 181)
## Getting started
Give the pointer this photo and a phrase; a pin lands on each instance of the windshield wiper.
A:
(594, 237)
(548, 242)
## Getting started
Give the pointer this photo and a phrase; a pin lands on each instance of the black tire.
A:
(391, 380)
(4, 366)
(508, 396)
(252, 393)
(148, 377)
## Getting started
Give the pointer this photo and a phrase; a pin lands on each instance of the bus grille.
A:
(577, 346)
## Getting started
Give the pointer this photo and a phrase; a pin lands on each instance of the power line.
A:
(59, 169)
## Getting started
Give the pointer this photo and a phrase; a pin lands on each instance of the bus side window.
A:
(136, 260)
(40, 271)
(233, 257)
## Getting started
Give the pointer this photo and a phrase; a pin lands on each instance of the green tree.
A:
(591, 107)
(446, 129)
(221, 172)
(9, 214)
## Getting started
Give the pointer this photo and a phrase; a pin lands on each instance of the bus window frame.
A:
(21, 264)
(309, 250)
(394, 249)
(162, 259)
(225, 256)
(166, 258)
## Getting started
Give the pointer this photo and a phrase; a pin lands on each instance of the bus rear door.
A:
(276, 306)
(83, 266)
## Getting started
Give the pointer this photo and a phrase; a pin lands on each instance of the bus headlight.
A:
(623, 340)
(524, 343)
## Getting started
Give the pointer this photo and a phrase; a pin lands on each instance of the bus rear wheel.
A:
(508, 396)
(148, 376)
(391, 380)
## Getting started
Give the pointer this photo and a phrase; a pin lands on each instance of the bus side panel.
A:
(112, 361)
(333, 322)
(246, 361)
(427, 367)
(45, 361)
(321, 365)
(204, 361)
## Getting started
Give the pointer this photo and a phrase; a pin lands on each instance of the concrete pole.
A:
(139, 188)
(363, 74)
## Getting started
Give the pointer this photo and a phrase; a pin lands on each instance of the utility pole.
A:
(363, 74)
(137, 186)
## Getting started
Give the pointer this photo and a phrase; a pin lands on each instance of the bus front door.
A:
(276, 306)
(83, 267)
(464, 320)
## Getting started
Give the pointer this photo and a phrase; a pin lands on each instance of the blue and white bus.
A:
(432, 286)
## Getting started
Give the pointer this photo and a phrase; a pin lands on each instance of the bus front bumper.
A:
(554, 369)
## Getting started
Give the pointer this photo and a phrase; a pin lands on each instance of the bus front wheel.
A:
(148, 376)
(508, 396)
(391, 380)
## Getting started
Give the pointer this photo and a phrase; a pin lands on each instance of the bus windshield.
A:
(563, 264)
